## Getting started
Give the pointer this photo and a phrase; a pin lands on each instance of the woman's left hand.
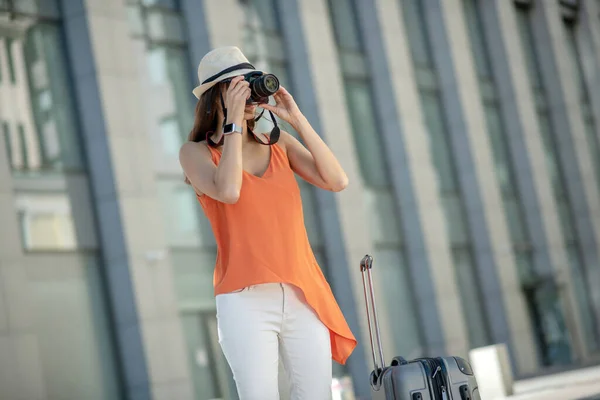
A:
(285, 107)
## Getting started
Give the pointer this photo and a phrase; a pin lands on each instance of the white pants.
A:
(263, 323)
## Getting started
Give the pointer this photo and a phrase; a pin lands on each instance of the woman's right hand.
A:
(235, 100)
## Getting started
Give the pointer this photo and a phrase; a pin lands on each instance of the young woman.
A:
(272, 299)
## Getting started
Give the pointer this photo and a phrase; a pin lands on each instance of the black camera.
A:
(261, 86)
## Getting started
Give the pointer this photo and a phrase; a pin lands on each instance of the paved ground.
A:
(583, 384)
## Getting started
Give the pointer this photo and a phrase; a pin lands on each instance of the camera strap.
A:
(273, 137)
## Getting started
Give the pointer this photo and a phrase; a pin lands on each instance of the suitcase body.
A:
(439, 378)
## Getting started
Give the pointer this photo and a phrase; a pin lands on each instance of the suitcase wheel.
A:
(375, 381)
(417, 396)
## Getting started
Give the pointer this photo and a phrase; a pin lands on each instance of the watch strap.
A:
(228, 129)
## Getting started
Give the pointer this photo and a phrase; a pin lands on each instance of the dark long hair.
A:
(206, 115)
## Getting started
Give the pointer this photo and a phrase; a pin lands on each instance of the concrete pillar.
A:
(425, 212)
(131, 226)
(517, 99)
(565, 112)
(504, 302)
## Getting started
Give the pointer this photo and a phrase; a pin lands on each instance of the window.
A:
(443, 159)
(10, 60)
(46, 221)
(8, 142)
(367, 141)
(47, 130)
(385, 228)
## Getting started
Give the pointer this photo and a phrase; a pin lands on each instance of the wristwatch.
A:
(231, 128)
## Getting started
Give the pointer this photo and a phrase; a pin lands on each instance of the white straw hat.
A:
(220, 64)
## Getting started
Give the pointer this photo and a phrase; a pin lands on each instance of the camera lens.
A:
(271, 83)
(264, 86)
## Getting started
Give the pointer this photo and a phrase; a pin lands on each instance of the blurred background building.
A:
(470, 131)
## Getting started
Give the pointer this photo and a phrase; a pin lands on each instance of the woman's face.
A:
(249, 111)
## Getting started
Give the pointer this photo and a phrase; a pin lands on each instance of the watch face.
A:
(228, 128)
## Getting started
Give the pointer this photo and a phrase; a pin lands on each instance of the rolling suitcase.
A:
(435, 378)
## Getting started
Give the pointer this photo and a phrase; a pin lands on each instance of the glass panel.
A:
(164, 25)
(426, 79)
(455, 219)
(566, 222)
(582, 293)
(354, 65)
(549, 150)
(51, 137)
(476, 35)
(72, 328)
(171, 4)
(467, 281)
(135, 20)
(43, 8)
(167, 102)
(396, 290)
(383, 219)
(529, 51)
(311, 216)
(345, 24)
(416, 30)
(488, 91)
(193, 272)
(9, 43)
(545, 307)
(499, 148)
(200, 357)
(578, 77)
(369, 146)
(46, 221)
(440, 147)
(181, 211)
(524, 260)
(515, 220)
(266, 10)
(170, 135)
(274, 44)
(594, 145)
(8, 142)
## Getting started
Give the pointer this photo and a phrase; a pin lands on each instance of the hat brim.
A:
(199, 90)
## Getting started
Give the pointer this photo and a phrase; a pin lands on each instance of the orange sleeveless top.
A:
(262, 239)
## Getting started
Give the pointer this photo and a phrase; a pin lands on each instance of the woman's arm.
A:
(222, 183)
(315, 163)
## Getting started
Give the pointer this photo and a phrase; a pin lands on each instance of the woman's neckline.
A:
(266, 172)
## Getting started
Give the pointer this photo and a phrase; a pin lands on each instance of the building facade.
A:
(469, 129)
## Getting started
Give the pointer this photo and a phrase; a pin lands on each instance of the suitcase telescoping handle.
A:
(365, 267)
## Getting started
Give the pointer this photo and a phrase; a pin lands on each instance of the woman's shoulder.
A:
(190, 148)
